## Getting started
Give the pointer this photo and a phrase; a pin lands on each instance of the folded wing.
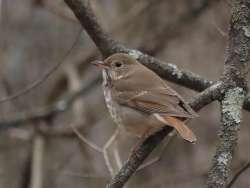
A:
(157, 100)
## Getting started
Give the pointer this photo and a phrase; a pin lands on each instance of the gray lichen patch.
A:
(176, 71)
(135, 54)
(224, 158)
(232, 105)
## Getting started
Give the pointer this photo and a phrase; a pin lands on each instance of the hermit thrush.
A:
(140, 101)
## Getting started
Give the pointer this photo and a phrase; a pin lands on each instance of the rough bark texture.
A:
(235, 69)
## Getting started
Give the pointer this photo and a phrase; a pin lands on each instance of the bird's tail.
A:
(180, 127)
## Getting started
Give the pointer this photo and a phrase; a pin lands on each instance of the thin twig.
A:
(105, 152)
(117, 155)
(220, 31)
(86, 141)
(108, 163)
(111, 139)
(37, 162)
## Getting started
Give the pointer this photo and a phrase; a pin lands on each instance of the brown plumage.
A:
(140, 100)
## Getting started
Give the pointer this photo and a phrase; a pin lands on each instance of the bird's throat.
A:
(107, 81)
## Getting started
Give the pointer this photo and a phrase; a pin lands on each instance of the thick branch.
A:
(235, 69)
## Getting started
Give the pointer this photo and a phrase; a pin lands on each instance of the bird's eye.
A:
(118, 64)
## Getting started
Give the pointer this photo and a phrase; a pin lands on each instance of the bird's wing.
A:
(162, 100)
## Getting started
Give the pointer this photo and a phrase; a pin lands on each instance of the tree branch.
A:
(235, 69)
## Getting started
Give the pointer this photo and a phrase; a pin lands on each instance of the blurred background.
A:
(68, 144)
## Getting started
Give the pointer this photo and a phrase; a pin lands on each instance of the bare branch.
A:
(105, 152)
(86, 141)
(117, 155)
(207, 96)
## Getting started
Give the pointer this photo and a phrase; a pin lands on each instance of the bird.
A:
(140, 101)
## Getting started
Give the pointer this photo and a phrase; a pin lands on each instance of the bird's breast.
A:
(127, 118)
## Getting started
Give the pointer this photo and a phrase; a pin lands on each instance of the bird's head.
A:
(118, 66)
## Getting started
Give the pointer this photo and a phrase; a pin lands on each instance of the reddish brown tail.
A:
(181, 128)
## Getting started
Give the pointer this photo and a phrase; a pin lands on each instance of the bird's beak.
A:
(99, 64)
